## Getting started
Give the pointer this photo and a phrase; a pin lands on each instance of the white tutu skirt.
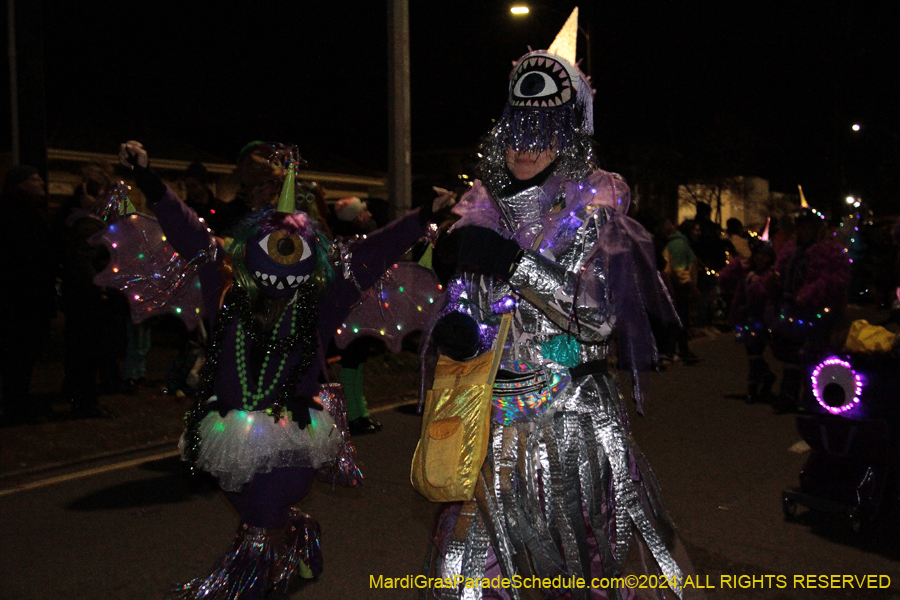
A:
(241, 444)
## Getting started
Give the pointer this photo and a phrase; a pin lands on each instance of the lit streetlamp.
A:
(522, 9)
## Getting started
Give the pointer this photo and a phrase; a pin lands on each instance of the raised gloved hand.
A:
(456, 336)
(436, 210)
(477, 250)
(133, 155)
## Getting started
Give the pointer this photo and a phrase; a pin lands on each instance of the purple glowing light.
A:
(506, 304)
(836, 371)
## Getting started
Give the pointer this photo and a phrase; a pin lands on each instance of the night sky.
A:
(706, 89)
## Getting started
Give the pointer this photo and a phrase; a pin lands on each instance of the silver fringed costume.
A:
(564, 490)
(561, 462)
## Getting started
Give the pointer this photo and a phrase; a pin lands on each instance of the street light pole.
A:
(399, 128)
(26, 72)
(13, 78)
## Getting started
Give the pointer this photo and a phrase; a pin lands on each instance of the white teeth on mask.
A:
(290, 279)
(280, 285)
(258, 274)
(305, 277)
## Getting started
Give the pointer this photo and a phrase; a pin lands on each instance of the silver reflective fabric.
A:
(523, 211)
(564, 493)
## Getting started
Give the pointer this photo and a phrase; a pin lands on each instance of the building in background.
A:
(748, 199)
(64, 174)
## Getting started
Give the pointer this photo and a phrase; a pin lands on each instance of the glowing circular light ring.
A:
(835, 370)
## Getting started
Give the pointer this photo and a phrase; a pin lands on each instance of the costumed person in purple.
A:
(564, 490)
(814, 274)
(751, 284)
(274, 301)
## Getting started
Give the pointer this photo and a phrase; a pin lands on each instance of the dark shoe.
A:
(131, 386)
(688, 358)
(26, 418)
(752, 393)
(114, 386)
(768, 381)
(785, 405)
(90, 411)
(364, 425)
(37, 419)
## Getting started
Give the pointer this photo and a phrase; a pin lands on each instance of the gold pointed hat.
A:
(567, 39)
(806, 213)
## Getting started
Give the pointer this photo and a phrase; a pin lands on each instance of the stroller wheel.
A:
(789, 506)
(855, 520)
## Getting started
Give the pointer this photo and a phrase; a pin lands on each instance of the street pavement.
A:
(129, 528)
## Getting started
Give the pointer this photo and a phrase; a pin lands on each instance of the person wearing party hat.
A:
(273, 301)
(813, 279)
(750, 284)
(564, 490)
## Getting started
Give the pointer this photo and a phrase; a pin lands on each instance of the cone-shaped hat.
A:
(564, 44)
(287, 200)
(803, 203)
(765, 234)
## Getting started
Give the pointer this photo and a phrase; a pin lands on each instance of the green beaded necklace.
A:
(252, 399)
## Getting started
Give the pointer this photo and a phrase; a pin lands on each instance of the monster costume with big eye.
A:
(273, 304)
(543, 81)
(563, 490)
(279, 260)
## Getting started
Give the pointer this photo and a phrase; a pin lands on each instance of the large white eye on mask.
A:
(535, 85)
(285, 248)
(541, 81)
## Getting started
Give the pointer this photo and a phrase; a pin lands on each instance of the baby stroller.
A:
(852, 428)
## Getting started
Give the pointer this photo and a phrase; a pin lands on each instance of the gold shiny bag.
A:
(456, 425)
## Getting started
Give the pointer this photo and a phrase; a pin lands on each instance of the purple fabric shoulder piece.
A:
(476, 207)
(624, 253)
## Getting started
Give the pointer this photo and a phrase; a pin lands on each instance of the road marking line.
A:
(393, 406)
(88, 472)
(130, 463)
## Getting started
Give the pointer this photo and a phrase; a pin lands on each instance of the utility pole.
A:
(26, 73)
(13, 78)
(399, 136)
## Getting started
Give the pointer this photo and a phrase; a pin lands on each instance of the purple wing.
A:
(403, 300)
(154, 278)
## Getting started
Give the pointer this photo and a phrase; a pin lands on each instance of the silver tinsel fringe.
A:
(302, 551)
(244, 571)
(255, 565)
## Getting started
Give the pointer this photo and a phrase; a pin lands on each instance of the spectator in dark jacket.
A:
(214, 211)
(28, 296)
(95, 331)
